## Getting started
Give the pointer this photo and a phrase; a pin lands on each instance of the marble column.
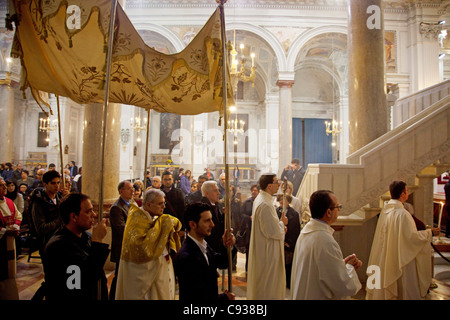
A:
(423, 198)
(269, 139)
(368, 113)
(424, 50)
(7, 126)
(92, 161)
(285, 123)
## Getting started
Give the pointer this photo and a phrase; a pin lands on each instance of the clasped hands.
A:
(353, 261)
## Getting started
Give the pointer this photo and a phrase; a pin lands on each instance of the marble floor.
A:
(30, 276)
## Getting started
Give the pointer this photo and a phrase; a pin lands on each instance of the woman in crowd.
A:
(138, 193)
(185, 182)
(13, 194)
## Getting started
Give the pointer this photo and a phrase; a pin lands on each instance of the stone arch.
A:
(298, 44)
(271, 40)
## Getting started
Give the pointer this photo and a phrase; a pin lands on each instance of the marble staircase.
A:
(416, 150)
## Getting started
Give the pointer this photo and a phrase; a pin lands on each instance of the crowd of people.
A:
(170, 231)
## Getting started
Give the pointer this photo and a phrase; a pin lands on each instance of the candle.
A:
(440, 214)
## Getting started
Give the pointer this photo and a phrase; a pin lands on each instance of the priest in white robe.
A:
(146, 270)
(399, 265)
(319, 271)
(266, 279)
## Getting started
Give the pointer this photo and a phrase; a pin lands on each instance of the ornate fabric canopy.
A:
(63, 46)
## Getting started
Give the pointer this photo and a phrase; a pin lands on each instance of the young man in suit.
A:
(118, 218)
(196, 264)
(294, 173)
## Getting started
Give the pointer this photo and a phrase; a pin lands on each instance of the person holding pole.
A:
(196, 263)
(266, 277)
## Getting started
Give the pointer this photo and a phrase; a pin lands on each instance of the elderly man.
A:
(210, 192)
(221, 186)
(118, 217)
(10, 220)
(156, 182)
(319, 271)
(146, 270)
(266, 273)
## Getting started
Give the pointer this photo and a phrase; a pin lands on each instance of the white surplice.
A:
(318, 268)
(153, 280)
(266, 279)
(403, 255)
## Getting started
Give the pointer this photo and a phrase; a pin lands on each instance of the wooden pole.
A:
(225, 133)
(63, 184)
(106, 102)
(146, 149)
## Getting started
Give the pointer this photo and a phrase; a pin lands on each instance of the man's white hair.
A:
(207, 186)
(152, 194)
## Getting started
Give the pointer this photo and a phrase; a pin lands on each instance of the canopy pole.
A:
(60, 144)
(146, 149)
(106, 102)
(225, 133)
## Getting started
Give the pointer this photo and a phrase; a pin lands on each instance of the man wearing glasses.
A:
(319, 271)
(118, 215)
(266, 279)
(146, 270)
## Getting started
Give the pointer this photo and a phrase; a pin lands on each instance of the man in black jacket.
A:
(118, 215)
(294, 173)
(196, 263)
(44, 209)
(174, 198)
(75, 258)
(211, 194)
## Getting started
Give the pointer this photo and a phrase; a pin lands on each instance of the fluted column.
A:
(285, 123)
(7, 126)
(368, 113)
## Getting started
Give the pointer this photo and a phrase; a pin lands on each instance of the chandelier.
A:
(235, 126)
(135, 124)
(333, 127)
(238, 72)
(47, 125)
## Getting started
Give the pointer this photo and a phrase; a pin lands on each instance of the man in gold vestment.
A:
(146, 270)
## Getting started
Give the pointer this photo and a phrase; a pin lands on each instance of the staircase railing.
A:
(399, 154)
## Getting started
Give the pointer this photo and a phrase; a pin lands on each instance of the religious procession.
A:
(202, 197)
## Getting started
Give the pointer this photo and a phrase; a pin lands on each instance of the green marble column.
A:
(368, 111)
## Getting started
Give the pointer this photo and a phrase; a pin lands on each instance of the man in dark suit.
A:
(294, 173)
(174, 198)
(211, 194)
(118, 217)
(73, 169)
(196, 263)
